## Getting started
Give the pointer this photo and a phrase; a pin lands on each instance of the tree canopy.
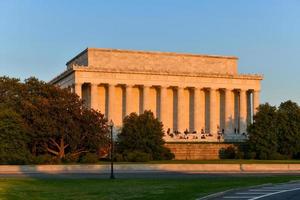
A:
(143, 134)
(58, 123)
(13, 138)
(275, 133)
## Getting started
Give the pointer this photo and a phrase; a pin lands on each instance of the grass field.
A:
(232, 161)
(146, 189)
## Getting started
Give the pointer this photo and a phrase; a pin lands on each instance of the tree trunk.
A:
(60, 152)
(62, 149)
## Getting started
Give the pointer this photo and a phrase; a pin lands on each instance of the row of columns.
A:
(198, 105)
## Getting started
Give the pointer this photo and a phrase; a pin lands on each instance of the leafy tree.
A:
(143, 134)
(289, 129)
(275, 132)
(57, 121)
(263, 139)
(13, 138)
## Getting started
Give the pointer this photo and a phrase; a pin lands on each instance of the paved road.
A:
(287, 191)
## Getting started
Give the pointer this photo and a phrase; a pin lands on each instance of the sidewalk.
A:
(150, 168)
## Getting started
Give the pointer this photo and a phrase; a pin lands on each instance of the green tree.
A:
(60, 122)
(289, 129)
(263, 139)
(13, 138)
(57, 120)
(143, 134)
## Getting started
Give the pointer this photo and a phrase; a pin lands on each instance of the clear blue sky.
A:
(38, 37)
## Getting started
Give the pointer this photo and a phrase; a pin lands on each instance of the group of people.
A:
(186, 135)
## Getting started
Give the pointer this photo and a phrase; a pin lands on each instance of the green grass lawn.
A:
(225, 161)
(233, 161)
(58, 189)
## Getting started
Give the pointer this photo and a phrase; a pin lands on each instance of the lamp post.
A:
(111, 125)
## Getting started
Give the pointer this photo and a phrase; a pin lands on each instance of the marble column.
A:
(243, 111)
(111, 101)
(78, 89)
(256, 101)
(146, 97)
(180, 109)
(249, 108)
(202, 110)
(212, 112)
(229, 108)
(163, 105)
(128, 101)
(197, 110)
(94, 96)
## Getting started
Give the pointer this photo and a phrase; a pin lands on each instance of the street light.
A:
(111, 125)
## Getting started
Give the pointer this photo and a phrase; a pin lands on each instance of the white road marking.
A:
(273, 193)
(253, 193)
(237, 197)
(264, 190)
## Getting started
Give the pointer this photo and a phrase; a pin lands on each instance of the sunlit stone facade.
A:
(197, 97)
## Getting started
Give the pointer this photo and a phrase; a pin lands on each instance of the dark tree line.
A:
(275, 133)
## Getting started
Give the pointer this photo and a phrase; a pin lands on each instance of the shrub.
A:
(250, 155)
(138, 156)
(44, 159)
(228, 153)
(119, 157)
(143, 134)
(69, 158)
(89, 158)
(166, 154)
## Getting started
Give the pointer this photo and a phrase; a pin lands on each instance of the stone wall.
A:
(197, 151)
(145, 61)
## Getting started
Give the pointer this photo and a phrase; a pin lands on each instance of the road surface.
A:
(287, 191)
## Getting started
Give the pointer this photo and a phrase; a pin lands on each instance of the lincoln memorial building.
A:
(196, 97)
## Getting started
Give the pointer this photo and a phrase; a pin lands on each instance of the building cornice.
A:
(229, 76)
